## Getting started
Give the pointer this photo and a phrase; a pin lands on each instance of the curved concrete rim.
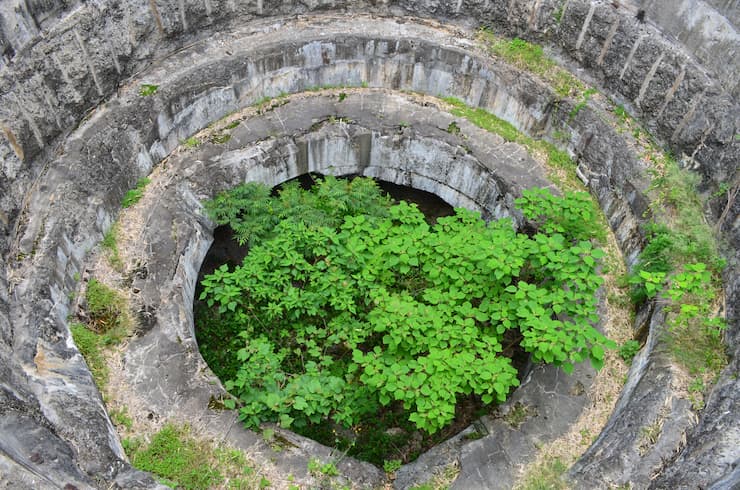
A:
(57, 242)
(409, 146)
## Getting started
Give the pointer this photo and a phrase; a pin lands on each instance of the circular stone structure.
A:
(77, 132)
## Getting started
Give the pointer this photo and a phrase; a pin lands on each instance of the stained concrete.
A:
(410, 144)
(62, 183)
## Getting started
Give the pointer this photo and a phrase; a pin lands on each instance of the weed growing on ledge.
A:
(108, 324)
(548, 475)
(530, 57)
(134, 195)
(110, 245)
(91, 347)
(192, 142)
(561, 168)
(106, 310)
(581, 103)
(628, 350)
(558, 14)
(392, 465)
(180, 460)
(680, 265)
(145, 89)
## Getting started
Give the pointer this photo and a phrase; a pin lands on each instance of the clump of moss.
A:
(179, 460)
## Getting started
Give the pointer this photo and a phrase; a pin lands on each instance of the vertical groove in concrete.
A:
(565, 9)
(51, 104)
(31, 123)
(181, 5)
(459, 6)
(155, 13)
(65, 76)
(209, 10)
(533, 16)
(648, 79)
(689, 114)
(88, 61)
(608, 41)
(12, 140)
(114, 56)
(630, 56)
(672, 91)
(586, 23)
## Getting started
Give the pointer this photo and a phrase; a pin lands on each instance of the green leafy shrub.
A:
(574, 215)
(346, 304)
(628, 350)
(391, 466)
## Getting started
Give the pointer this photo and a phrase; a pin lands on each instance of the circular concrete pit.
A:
(78, 134)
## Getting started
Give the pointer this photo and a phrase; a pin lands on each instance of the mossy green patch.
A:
(182, 461)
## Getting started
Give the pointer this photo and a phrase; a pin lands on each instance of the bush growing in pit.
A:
(348, 303)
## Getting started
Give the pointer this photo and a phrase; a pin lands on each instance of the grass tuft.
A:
(547, 476)
(110, 245)
(562, 168)
(91, 347)
(531, 57)
(182, 461)
(106, 310)
(134, 195)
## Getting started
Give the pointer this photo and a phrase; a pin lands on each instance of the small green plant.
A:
(192, 142)
(558, 13)
(110, 245)
(106, 309)
(621, 114)
(108, 324)
(628, 350)
(91, 347)
(134, 195)
(649, 435)
(342, 96)
(453, 128)
(220, 138)
(696, 393)
(120, 417)
(581, 103)
(545, 476)
(391, 466)
(522, 52)
(145, 89)
(316, 467)
(174, 456)
(518, 414)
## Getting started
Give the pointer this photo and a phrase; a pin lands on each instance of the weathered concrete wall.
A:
(59, 190)
(707, 29)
